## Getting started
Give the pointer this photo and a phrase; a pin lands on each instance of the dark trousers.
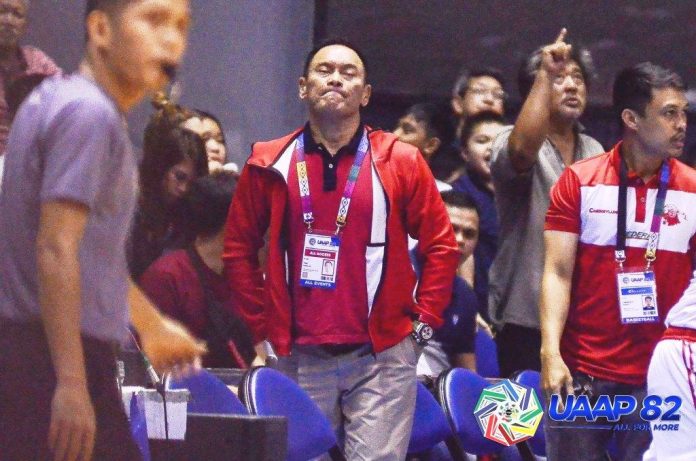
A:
(518, 349)
(27, 384)
(581, 440)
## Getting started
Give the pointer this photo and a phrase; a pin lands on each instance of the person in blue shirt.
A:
(476, 141)
(453, 344)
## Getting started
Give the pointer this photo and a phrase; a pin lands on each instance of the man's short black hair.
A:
(458, 199)
(529, 67)
(333, 41)
(633, 86)
(110, 6)
(486, 116)
(436, 119)
(461, 85)
(207, 202)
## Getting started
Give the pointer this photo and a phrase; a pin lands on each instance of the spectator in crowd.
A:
(70, 191)
(208, 127)
(189, 284)
(453, 343)
(356, 345)
(527, 160)
(609, 244)
(477, 141)
(475, 91)
(172, 158)
(428, 127)
(22, 68)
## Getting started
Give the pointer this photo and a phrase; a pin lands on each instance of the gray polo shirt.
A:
(69, 142)
(522, 201)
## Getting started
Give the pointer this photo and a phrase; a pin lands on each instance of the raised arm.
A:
(532, 125)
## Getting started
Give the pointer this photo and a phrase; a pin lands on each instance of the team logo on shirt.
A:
(672, 216)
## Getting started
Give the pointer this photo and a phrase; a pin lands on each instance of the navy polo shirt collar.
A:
(329, 162)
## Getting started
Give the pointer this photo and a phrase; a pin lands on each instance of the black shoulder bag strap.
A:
(224, 327)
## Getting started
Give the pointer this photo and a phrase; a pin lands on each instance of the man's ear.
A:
(302, 88)
(99, 29)
(367, 92)
(464, 154)
(431, 146)
(630, 119)
(457, 105)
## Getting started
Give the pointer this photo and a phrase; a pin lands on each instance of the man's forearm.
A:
(60, 303)
(553, 311)
(532, 124)
(142, 313)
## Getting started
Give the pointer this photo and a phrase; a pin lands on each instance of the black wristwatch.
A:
(422, 332)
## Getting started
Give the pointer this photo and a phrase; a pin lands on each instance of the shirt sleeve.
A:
(564, 210)
(77, 147)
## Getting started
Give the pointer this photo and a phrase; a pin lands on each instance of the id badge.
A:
(319, 261)
(637, 297)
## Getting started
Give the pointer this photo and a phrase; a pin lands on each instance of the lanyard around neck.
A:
(653, 238)
(303, 182)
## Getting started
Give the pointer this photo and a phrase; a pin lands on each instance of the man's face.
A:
(662, 130)
(483, 93)
(335, 83)
(13, 22)
(211, 134)
(414, 132)
(569, 93)
(147, 38)
(465, 223)
(477, 151)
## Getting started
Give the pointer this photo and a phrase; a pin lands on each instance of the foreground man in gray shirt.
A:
(526, 161)
(70, 184)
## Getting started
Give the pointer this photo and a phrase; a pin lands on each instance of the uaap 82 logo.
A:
(661, 413)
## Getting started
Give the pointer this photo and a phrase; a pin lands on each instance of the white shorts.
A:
(671, 372)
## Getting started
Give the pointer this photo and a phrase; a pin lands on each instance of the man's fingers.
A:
(74, 446)
(562, 35)
(87, 445)
(61, 442)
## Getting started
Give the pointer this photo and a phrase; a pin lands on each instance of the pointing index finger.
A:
(561, 35)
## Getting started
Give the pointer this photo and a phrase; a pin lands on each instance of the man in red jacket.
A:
(336, 296)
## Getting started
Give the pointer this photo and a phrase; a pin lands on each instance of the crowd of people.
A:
(354, 260)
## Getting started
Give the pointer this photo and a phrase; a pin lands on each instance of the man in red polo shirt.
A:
(335, 298)
(611, 242)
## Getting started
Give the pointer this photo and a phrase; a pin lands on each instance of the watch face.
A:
(426, 332)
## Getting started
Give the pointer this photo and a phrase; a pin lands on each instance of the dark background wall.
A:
(245, 55)
(416, 48)
(242, 64)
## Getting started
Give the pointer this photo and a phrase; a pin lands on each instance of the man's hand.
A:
(73, 425)
(555, 56)
(555, 375)
(169, 347)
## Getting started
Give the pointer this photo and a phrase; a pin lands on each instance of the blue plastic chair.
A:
(532, 379)
(486, 355)
(268, 392)
(430, 425)
(459, 391)
(208, 395)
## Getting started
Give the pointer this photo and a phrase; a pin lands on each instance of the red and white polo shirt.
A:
(585, 202)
